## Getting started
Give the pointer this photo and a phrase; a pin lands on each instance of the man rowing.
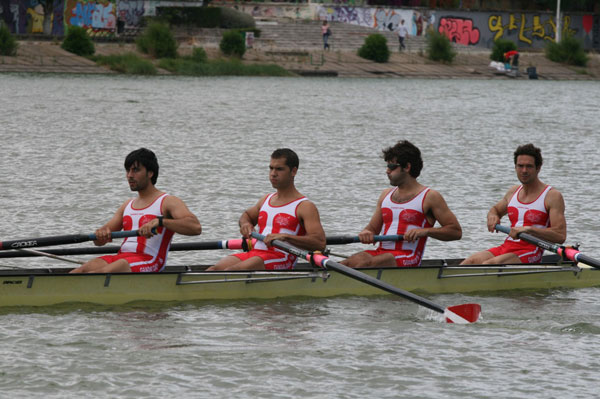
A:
(154, 213)
(532, 207)
(408, 208)
(285, 215)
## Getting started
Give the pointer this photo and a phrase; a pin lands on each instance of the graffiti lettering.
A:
(92, 15)
(538, 28)
(459, 30)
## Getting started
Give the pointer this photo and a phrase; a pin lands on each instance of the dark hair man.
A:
(154, 213)
(408, 208)
(532, 207)
(285, 215)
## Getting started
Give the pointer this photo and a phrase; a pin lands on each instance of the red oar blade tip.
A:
(462, 314)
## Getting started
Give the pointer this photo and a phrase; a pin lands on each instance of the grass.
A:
(128, 63)
(219, 67)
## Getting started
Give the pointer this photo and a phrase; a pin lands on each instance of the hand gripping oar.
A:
(60, 240)
(346, 239)
(564, 252)
(462, 314)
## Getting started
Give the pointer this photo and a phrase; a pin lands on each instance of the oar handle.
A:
(347, 239)
(565, 252)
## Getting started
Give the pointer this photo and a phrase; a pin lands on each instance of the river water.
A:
(64, 138)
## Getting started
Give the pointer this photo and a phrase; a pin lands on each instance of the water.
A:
(64, 139)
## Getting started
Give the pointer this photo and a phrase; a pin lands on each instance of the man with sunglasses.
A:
(285, 215)
(533, 207)
(409, 209)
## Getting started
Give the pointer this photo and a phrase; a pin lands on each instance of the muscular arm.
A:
(499, 210)
(177, 218)
(557, 232)
(449, 229)
(250, 217)
(314, 239)
(114, 224)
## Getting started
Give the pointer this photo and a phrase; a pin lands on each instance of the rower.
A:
(285, 215)
(408, 208)
(532, 207)
(156, 214)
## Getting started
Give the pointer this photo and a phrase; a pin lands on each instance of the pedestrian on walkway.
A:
(326, 31)
(402, 34)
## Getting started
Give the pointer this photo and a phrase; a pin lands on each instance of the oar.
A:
(347, 239)
(467, 313)
(46, 254)
(564, 252)
(60, 240)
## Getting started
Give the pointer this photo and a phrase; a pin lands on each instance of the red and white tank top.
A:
(528, 214)
(157, 246)
(279, 219)
(400, 217)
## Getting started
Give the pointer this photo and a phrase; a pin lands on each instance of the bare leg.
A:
(477, 258)
(234, 263)
(364, 259)
(98, 265)
(487, 258)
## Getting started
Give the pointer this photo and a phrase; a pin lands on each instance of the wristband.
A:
(160, 221)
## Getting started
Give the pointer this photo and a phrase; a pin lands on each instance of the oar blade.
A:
(463, 314)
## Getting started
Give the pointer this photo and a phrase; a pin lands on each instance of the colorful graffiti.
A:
(95, 15)
(131, 11)
(459, 30)
(542, 27)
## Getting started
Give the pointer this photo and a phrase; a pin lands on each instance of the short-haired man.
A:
(408, 208)
(532, 207)
(285, 215)
(154, 213)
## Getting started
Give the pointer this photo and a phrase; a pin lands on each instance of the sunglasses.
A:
(393, 166)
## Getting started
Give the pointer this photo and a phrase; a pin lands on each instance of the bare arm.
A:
(114, 224)
(557, 232)
(374, 225)
(177, 218)
(250, 217)
(449, 229)
(314, 239)
(499, 210)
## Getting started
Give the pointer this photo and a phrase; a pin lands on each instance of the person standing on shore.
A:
(402, 34)
(326, 32)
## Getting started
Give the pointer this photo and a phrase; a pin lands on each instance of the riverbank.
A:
(49, 57)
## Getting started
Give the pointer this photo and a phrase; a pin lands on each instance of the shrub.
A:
(375, 48)
(199, 55)
(501, 46)
(202, 17)
(8, 44)
(78, 42)
(439, 48)
(233, 43)
(569, 51)
(158, 41)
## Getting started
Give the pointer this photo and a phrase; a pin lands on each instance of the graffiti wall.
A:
(98, 17)
(532, 30)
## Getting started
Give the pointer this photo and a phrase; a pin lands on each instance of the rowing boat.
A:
(44, 287)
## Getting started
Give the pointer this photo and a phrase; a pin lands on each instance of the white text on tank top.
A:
(133, 219)
(528, 214)
(279, 219)
(398, 218)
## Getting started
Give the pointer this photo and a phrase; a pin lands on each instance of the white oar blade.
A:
(463, 314)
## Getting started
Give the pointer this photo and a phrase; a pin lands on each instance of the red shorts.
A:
(139, 263)
(273, 259)
(527, 253)
(402, 258)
